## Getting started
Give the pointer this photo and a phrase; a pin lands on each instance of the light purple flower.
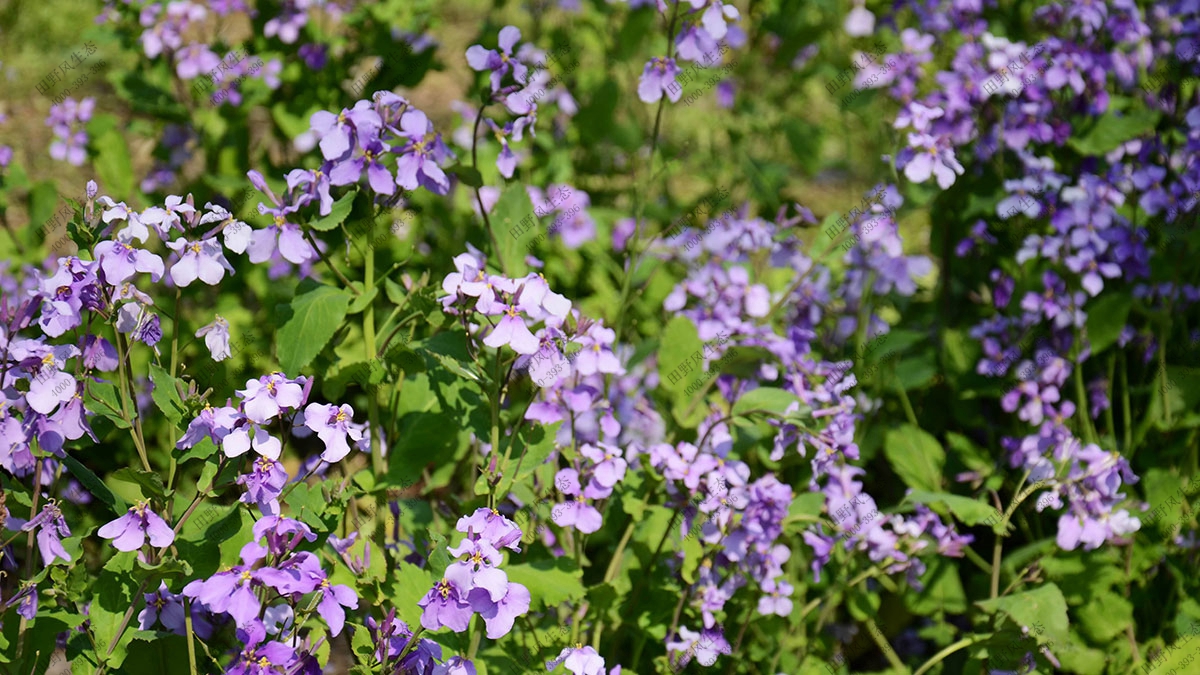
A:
(51, 528)
(121, 261)
(499, 62)
(265, 397)
(216, 338)
(129, 532)
(418, 160)
(203, 260)
(500, 616)
(333, 425)
(658, 77)
(513, 332)
(444, 606)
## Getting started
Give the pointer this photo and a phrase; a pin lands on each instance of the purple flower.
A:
(576, 513)
(28, 599)
(265, 397)
(418, 160)
(215, 423)
(658, 77)
(216, 338)
(121, 261)
(303, 574)
(579, 660)
(338, 133)
(332, 424)
(714, 17)
(366, 156)
(264, 484)
(513, 332)
(165, 606)
(499, 616)
(930, 158)
(479, 569)
(204, 260)
(776, 598)
(230, 592)
(493, 527)
(246, 436)
(610, 465)
(129, 532)
(499, 62)
(443, 605)
(51, 528)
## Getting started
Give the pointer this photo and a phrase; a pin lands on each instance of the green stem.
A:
(938, 657)
(635, 252)
(412, 642)
(191, 637)
(881, 640)
(1125, 409)
(476, 636)
(126, 385)
(613, 566)
(329, 263)
(368, 326)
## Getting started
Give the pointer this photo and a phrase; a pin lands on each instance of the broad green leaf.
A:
(1105, 617)
(943, 590)
(362, 300)
(1113, 129)
(311, 319)
(94, 485)
(678, 364)
(114, 169)
(166, 396)
(102, 398)
(337, 214)
(513, 224)
(767, 399)
(1106, 318)
(1043, 607)
(967, 510)
(550, 582)
(150, 483)
(916, 456)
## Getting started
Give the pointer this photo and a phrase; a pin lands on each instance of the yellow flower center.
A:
(279, 221)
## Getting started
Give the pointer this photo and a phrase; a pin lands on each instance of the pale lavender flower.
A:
(216, 338)
(129, 532)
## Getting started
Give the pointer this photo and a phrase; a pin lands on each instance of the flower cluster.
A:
(476, 584)
(694, 42)
(66, 119)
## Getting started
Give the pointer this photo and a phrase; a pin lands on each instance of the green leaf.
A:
(1106, 318)
(166, 396)
(150, 482)
(312, 318)
(114, 169)
(550, 582)
(512, 220)
(968, 511)
(943, 592)
(467, 175)
(361, 643)
(767, 399)
(337, 214)
(676, 355)
(916, 456)
(102, 398)
(363, 300)
(1042, 607)
(1112, 129)
(1105, 617)
(94, 485)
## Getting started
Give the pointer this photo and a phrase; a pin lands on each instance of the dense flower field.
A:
(600, 336)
